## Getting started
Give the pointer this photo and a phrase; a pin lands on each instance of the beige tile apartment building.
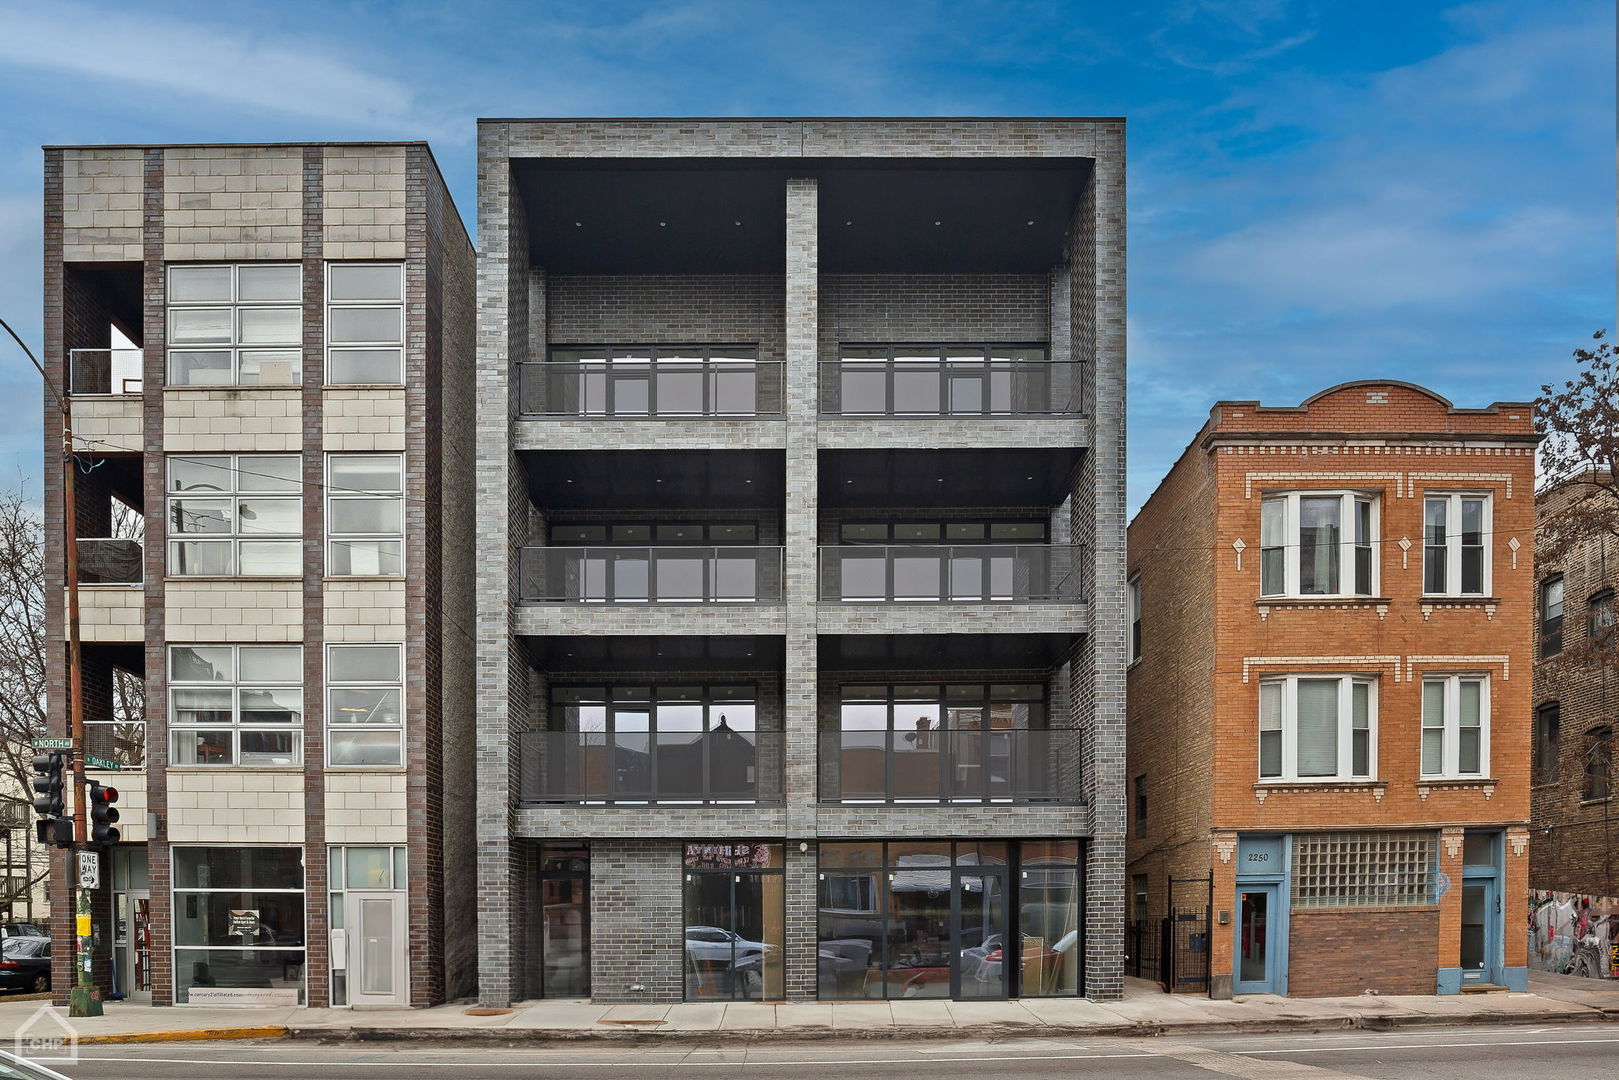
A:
(269, 355)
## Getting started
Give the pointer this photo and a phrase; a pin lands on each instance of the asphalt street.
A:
(1572, 1052)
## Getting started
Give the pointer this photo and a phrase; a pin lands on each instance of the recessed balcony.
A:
(718, 767)
(105, 372)
(651, 384)
(949, 382)
(111, 561)
(930, 765)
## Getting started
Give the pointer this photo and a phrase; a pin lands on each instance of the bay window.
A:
(1318, 543)
(1315, 727)
(1455, 726)
(1455, 554)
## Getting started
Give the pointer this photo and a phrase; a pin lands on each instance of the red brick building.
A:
(1330, 696)
(1574, 869)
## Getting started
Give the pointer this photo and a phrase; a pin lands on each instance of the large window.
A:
(235, 325)
(365, 324)
(1318, 543)
(1364, 869)
(365, 507)
(1455, 545)
(236, 704)
(1598, 763)
(1551, 616)
(1548, 735)
(235, 515)
(238, 926)
(671, 744)
(364, 715)
(939, 919)
(655, 380)
(1318, 728)
(958, 742)
(565, 921)
(947, 380)
(1455, 726)
(735, 921)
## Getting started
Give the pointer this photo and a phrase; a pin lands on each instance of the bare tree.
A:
(22, 678)
(1580, 421)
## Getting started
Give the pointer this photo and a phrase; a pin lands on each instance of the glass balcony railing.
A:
(956, 573)
(950, 765)
(661, 389)
(718, 766)
(104, 371)
(650, 575)
(930, 386)
(111, 561)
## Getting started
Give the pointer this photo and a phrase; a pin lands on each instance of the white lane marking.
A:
(795, 1064)
(1427, 1046)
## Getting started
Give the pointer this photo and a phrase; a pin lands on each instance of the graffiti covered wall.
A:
(1574, 934)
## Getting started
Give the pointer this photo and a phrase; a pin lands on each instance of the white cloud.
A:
(226, 65)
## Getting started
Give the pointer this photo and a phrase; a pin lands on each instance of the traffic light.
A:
(103, 815)
(49, 783)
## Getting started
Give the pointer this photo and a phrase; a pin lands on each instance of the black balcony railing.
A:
(933, 387)
(719, 766)
(950, 765)
(104, 371)
(643, 575)
(660, 389)
(966, 573)
(115, 561)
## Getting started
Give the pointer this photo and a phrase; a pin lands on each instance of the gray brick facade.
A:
(799, 315)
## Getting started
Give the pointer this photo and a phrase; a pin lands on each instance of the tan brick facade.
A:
(1210, 639)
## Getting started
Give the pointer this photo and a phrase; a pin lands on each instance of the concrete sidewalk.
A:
(1144, 1010)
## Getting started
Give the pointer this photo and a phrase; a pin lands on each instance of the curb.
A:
(1127, 1029)
(266, 1031)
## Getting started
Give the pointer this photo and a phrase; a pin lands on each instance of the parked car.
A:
(21, 929)
(710, 946)
(25, 964)
(13, 1067)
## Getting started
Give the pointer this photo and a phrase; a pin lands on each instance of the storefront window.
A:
(935, 919)
(565, 911)
(238, 926)
(735, 915)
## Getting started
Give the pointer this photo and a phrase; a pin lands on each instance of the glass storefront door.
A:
(735, 916)
(565, 925)
(981, 941)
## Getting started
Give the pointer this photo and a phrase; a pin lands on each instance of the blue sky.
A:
(1319, 190)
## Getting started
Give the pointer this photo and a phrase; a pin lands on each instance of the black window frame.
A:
(1596, 784)
(1551, 626)
(891, 366)
(1601, 614)
(651, 354)
(1547, 742)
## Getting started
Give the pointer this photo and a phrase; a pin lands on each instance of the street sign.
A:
(101, 763)
(89, 873)
(53, 744)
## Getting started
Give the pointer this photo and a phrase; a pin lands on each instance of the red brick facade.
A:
(1209, 639)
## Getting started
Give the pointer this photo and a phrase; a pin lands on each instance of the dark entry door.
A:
(981, 944)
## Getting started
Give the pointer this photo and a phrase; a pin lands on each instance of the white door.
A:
(377, 972)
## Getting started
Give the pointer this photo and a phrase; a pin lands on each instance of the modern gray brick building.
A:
(800, 596)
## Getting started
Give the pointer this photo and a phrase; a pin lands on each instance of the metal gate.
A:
(1185, 936)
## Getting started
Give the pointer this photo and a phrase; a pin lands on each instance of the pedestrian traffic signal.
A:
(103, 815)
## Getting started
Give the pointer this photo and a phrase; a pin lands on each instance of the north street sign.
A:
(53, 744)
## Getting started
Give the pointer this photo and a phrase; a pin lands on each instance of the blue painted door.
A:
(1259, 940)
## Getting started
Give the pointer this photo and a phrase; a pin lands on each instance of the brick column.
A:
(1448, 949)
(802, 512)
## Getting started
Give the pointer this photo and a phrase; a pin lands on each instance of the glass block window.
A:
(1364, 869)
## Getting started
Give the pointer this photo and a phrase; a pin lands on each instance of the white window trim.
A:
(1132, 617)
(1346, 543)
(359, 684)
(1453, 543)
(1346, 730)
(336, 494)
(329, 304)
(1450, 740)
(235, 346)
(235, 494)
(235, 686)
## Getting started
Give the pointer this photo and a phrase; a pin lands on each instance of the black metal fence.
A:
(1185, 951)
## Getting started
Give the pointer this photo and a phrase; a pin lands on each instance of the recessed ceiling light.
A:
(1028, 223)
(938, 223)
(578, 224)
(736, 223)
(662, 224)
(848, 223)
